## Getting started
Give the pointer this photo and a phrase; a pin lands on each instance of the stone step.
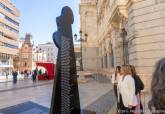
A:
(103, 104)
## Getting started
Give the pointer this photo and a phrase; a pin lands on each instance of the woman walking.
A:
(126, 91)
(138, 87)
(157, 102)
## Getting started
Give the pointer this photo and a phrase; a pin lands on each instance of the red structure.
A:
(50, 70)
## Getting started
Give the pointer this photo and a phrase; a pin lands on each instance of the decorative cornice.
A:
(88, 2)
(122, 10)
(130, 2)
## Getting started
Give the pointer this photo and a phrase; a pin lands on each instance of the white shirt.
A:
(113, 78)
(126, 87)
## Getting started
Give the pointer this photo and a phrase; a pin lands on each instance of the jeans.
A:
(125, 110)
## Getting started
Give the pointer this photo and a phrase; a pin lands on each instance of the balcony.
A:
(4, 21)
(10, 34)
(8, 41)
(13, 17)
(8, 4)
(8, 50)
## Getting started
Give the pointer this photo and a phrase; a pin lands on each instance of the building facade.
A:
(38, 56)
(88, 25)
(9, 35)
(126, 32)
(25, 54)
(51, 51)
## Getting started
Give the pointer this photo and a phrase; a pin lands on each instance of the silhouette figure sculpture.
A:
(65, 96)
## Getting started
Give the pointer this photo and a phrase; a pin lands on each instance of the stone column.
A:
(113, 40)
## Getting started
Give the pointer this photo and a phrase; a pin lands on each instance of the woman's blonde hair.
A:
(127, 70)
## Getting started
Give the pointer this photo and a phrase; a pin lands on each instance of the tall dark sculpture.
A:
(65, 97)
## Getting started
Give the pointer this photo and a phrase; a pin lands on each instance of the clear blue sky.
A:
(38, 17)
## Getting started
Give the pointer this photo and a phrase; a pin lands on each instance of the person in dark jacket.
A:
(35, 73)
(15, 74)
(139, 86)
(45, 75)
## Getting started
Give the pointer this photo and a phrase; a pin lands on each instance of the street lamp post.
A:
(80, 39)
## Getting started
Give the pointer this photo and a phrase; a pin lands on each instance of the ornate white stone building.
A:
(51, 51)
(123, 32)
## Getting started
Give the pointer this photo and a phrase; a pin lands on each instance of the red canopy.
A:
(50, 68)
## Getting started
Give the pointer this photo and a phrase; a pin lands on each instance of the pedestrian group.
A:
(26, 74)
(128, 86)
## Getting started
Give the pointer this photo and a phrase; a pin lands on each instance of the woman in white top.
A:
(126, 91)
(115, 78)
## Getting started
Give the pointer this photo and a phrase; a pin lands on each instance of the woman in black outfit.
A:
(138, 87)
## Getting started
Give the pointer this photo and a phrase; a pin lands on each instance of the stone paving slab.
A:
(112, 110)
(92, 91)
(25, 108)
(9, 86)
(103, 104)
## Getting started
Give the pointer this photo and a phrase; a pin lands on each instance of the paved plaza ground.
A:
(95, 95)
